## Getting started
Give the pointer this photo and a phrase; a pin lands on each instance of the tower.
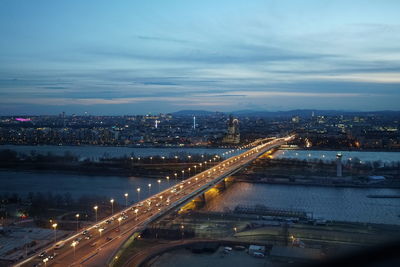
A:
(194, 122)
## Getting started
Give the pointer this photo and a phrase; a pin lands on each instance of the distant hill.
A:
(193, 113)
(308, 113)
(288, 113)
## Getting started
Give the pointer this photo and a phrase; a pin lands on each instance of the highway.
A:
(95, 245)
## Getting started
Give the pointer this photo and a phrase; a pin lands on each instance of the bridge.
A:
(102, 240)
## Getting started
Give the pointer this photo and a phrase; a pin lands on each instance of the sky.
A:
(137, 57)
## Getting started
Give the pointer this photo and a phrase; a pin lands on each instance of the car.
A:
(93, 244)
(43, 254)
(88, 237)
(52, 256)
(108, 238)
(59, 245)
(85, 232)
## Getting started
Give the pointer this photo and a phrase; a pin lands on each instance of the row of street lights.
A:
(200, 165)
(138, 190)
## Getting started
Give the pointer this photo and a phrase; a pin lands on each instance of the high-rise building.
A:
(232, 136)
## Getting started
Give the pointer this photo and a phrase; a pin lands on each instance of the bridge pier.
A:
(200, 201)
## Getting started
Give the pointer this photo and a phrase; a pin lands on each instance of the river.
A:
(331, 203)
(327, 155)
(79, 185)
(95, 152)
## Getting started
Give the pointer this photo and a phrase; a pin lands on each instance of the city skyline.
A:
(154, 56)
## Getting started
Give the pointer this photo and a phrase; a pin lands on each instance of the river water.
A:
(95, 152)
(328, 155)
(79, 185)
(332, 203)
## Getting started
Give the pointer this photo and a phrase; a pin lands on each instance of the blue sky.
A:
(128, 57)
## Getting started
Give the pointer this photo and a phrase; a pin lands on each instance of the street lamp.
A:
(77, 221)
(138, 193)
(126, 199)
(189, 157)
(195, 167)
(176, 175)
(149, 185)
(151, 160)
(167, 179)
(95, 209)
(112, 206)
(119, 222)
(163, 158)
(136, 212)
(101, 230)
(189, 172)
(183, 173)
(74, 245)
(54, 225)
(159, 182)
(182, 230)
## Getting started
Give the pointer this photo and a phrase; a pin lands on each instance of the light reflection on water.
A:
(342, 204)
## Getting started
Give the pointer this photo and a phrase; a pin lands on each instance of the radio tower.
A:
(194, 122)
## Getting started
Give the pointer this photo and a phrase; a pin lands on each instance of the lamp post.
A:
(119, 222)
(95, 210)
(77, 221)
(176, 176)
(182, 230)
(167, 179)
(54, 225)
(189, 172)
(126, 199)
(138, 193)
(136, 212)
(112, 206)
(159, 182)
(149, 185)
(74, 245)
(195, 169)
(183, 174)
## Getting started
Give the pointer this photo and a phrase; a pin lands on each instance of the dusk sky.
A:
(135, 57)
